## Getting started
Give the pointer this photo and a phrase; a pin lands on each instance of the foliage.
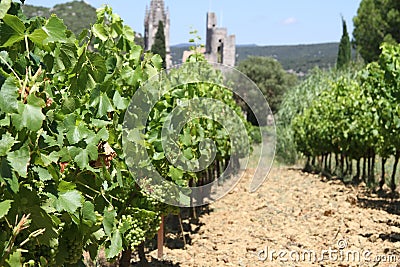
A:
(377, 21)
(62, 107)
(159, 42)
(61, 156)
(271, 79)
(344, 53)
(294, 102)
(356, 117)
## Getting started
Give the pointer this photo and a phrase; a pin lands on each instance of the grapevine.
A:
(63, 100)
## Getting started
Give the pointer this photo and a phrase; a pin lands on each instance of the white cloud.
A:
(289, 21)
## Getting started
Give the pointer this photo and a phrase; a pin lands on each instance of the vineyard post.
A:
(160, 240)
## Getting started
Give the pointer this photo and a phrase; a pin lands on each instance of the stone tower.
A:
(220, 47)
(153, 16)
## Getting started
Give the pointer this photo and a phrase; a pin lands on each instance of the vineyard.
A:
(347, 121)
(99, 146)
(69, 144)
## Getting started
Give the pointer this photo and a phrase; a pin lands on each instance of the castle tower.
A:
(153, 16)
(220, 48)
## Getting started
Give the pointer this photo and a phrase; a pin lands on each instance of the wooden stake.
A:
(183, 232)
(160, 239)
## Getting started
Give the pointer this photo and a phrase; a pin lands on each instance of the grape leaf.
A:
(120, 102)
(4, 7)
(77, 133)
(9, 96)
(6, 143)
(108, 220)
(19, 160)
(11, 31)
(5, 207)
(55, 29)
(100, 32)
(105, 106)
(88, 212)
(32, 116)
(43, 174)
(69, 201)
(116, 245)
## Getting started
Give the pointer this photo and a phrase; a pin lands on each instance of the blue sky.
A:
(262, 22)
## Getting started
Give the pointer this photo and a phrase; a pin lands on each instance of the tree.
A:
(268, 74)
(344, 54)
(377, 21)
(159, 43)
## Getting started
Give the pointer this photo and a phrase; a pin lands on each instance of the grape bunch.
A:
(71, 245)
(74, 248)
(138, 225)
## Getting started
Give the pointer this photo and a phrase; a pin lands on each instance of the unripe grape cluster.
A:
(139, 225)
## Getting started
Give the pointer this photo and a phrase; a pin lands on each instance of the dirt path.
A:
(299, 216)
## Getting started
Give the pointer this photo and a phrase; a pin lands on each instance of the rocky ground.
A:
(294, 219)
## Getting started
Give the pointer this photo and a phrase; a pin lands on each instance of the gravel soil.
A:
(294, 219)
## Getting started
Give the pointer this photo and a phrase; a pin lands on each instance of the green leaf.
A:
(55, 29)
(120, 103)
(100, 32)
(88, 212)
(187, 138)
(92, 151)
(13, 183)
(51, 158)
(188, 153)
(12, 31)
(157, 61)
(4, 7)
(5, 207)
(15, 23)
(109, 220)
(158, 156)
(9, 96)
(81, 157)
(15, 259)
(5, 122)
(115, 247)
(105, 106)
(128, 33)
(69, 201)
(175, 173)
(43, 174)
(77, 133)
(65, 57)
(65, 186)
(38, 36)
(97, 66)
(32, 116)
(6, 143)
(19, 160)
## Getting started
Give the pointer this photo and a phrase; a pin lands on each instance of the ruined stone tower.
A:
(220, 47)
(154, 14)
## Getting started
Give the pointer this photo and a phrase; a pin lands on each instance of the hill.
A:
(298, 58)
(77, 15)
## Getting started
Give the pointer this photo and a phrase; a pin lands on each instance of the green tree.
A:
(268, 74)
(377, 21)
(344, 54)
(159, 43)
